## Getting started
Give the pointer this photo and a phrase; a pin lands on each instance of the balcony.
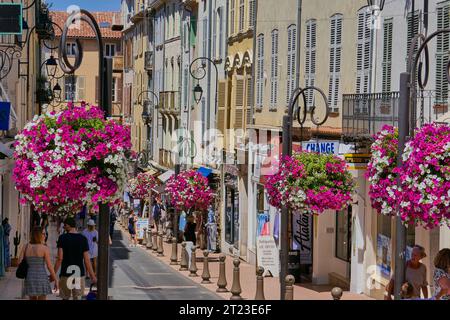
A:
(148, 60)
(169, 102)
(365, 114)
(118, 63)
(165, 158)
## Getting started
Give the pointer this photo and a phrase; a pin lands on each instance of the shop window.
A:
(343, 234)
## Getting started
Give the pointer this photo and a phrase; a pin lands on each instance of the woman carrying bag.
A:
(34, 259)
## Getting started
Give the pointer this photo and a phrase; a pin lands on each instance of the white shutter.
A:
(205, 37)
(81, 89)
(291, 60)
(241, 15)
(274, 71)
(442, 56)
(214, 36)
(232, 17)
(260, 71)
(310, 60)
(335, 61)
(220, 13)
(363, 63)
(251, 15)
(387, 55)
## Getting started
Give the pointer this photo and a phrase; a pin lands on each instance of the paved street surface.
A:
(137, 275)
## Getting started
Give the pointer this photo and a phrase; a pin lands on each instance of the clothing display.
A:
(2, 253)
(263, 224)
(211, 231)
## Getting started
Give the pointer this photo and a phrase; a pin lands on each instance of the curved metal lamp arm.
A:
(202, 68)
(301, 114)
(139, 101)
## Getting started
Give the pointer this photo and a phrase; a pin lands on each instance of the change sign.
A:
(10, 18)
(330, 147)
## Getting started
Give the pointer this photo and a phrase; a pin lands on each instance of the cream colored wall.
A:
(269, 19)
(322, 10)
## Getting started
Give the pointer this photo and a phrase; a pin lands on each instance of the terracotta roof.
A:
(85, 31)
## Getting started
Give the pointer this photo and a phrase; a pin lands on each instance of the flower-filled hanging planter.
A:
(141, 186)
(310, 182)
(68, 159)
(426, 177)
(382, 171)
(189, 191)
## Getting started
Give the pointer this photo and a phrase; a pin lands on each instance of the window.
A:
(251, 13)
(363, 65)
(70, 48)
(232, 17)
(114, 90)
(387, 54)
(241, 15)
(110, 50)
(291, 61)
(260, 71)
(343, 234)
(310, 60)
(221, 36)
(274, 71)
(70, 88)
(442, 56)
(74, 88)
(335, 61)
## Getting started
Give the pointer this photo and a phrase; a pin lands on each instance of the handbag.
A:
(22, 269)
(92, 295)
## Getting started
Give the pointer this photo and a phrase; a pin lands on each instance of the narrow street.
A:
(137, 275)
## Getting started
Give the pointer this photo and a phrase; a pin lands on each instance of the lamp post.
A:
(147, 117)
(301, 115)
(105, 80)
(416, 75)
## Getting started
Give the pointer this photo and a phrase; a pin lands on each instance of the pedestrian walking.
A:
(92, 237)
(112, 220)
(73, 256)
(37, 256)
(82, 216)
(416, 275)
(132, 228)
(189, 230)
(156, 213)
(6, 244)
(441, 276)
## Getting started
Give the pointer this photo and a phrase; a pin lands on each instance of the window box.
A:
(440, 108)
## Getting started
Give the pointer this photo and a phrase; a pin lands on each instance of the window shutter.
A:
(363, 53)
(241, 15)
(290, 74)
(238, 121)
(119, 90)
(81, 89)
(221, 107)
(251, 10)
(260, 71)
(335, 61)
(442, 56)
(387, 55)
(413, 29)
(232, 17)
(310, 59)
(249, 99)
(274, 71)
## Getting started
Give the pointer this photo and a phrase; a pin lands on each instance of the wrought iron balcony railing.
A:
(365, 114)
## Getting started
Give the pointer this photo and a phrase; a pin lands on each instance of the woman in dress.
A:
(37, 255)
(441, 277)
(132, 229)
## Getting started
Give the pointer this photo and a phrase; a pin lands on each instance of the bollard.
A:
(193, 267)
(160, 249)
(336, 293)
(289, 287)
(184, 258)
(174, 257)
(260, 284)
(144, 239)
(205, 274)
(236, 286)
(154, 241)
(222, 281)
(149, 240)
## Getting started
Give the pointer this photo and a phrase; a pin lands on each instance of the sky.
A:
(90, 5)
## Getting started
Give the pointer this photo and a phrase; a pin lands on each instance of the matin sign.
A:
(10, 18)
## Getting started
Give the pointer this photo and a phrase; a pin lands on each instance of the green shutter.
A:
(193, 31)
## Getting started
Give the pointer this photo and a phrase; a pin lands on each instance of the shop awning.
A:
(204, 171)
(166, 175)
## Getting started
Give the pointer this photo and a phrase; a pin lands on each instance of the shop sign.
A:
(302, 236)
(268, 255)
(141, 223)
(329, 147)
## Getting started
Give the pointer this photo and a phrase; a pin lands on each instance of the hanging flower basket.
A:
(426, 177)
(310, 182)
(71, 158)
(382, 171)
(189, 191)
(141, 186)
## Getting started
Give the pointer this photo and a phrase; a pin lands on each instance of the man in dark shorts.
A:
(73, 255)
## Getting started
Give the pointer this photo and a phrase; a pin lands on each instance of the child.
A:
(407, 291)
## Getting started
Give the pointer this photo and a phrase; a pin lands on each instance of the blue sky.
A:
(91, 5)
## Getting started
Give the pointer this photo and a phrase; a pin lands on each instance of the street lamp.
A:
(57, 90)
(198, 93)
(301, 115)
(379, 4)
(51, 66)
